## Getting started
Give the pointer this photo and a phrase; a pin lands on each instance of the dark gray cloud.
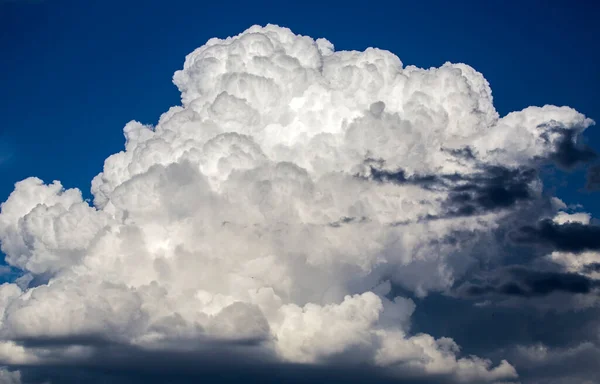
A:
(590, 268)
(526, 282)
(116, 364)
(570, 237)
(492, 188)
(569, 153)
(540, 364)
(216, 374)
(496, 188)
(490, 326)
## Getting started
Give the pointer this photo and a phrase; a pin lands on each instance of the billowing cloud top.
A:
(276, 208)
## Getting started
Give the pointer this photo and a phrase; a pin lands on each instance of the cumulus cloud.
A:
(273, 210)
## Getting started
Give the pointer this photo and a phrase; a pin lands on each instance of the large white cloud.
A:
(251, 211)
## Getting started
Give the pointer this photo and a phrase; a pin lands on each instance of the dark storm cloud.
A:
(591, 268)
(570, 237)
(492, 188)
(223, 374)
(495, 188)
(525, 282)
(118, 364)
(568, 153)
(538, 364)
(494, 331)
(482, 329)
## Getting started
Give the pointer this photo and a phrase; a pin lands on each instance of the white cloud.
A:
(239, 216)
(577, 262)
(10, 377)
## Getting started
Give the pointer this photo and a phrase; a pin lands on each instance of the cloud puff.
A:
(255, 215)
(10, 377)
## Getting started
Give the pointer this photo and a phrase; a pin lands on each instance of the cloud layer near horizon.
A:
(272, 212)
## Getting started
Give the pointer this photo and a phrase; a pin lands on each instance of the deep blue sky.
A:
(73, 72)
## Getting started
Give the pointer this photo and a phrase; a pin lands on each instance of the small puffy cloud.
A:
(10, 377)
(274, 208)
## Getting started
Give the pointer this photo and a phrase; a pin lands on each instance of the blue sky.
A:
(74, 72)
